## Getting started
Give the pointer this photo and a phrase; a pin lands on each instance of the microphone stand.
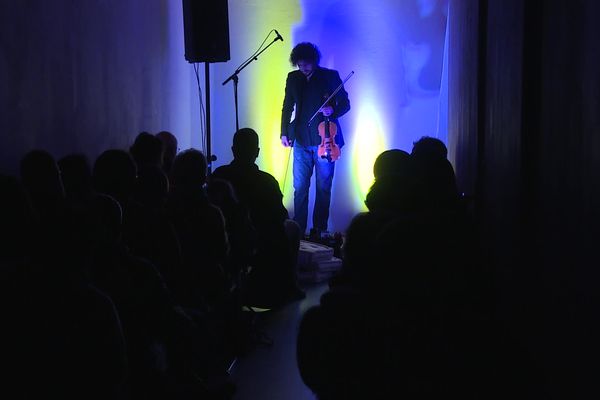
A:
(234, 77)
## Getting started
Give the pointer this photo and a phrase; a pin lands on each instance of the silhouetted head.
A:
(437, 183)
(16, 216)
(430, 147)
(41, 177)
(245, 145)
(108, 216)
(152, 186)
(114, 174)
(394, 188)
(76, 174)
(434, 174)
(391, 163)
(189, 169)
(147, 150)
(169, 145)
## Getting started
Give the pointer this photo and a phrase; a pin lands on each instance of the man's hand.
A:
(327, 111)
(285, 141)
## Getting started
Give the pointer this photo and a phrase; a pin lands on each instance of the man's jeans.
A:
(305, 159)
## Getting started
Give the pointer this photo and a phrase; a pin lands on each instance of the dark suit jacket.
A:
(329, 80)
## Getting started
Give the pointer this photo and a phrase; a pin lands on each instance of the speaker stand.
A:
(209, 156)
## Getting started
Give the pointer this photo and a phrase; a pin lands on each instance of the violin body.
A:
(328, 148)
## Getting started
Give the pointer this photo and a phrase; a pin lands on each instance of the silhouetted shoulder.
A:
(219, 171)
(267, 177)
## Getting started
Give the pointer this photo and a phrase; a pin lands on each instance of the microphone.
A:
(278, 35)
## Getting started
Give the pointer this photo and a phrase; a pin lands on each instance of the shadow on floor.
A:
(271, 372)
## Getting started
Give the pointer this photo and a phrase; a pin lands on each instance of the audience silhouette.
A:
(201, 280)
(69, 341)
(170, 149)
(240, 230)
(76, 175)
(85, 301)
(127, 279)
(166, 349)
(409, 314)
(272, 280)
(146, 231)
(152, 183)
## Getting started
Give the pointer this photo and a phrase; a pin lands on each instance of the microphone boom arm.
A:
(245, 64)
(234, 77)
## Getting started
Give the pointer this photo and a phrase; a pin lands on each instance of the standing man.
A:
(305, 91)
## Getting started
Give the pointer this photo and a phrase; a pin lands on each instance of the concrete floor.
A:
(271, 372)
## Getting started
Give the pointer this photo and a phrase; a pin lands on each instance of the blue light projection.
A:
(395, 47)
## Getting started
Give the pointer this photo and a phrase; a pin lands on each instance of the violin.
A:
(327, 130)
(328, 148)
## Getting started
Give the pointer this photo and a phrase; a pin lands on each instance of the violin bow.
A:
(330, 97)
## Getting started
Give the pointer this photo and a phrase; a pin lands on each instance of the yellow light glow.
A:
(264, 110)
(368, 143)
(263, 97)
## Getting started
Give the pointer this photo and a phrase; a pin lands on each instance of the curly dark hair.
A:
(305, 51)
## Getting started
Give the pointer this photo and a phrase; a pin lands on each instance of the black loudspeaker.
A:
(206, 30)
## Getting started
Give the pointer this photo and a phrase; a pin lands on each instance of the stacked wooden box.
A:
(316, 262)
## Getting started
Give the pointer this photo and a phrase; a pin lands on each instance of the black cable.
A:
(202, 110)
(257, 51)
(287, 166)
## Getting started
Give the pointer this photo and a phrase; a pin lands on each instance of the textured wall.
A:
(83, 76)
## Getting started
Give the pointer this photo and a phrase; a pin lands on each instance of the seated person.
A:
(274, 264)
